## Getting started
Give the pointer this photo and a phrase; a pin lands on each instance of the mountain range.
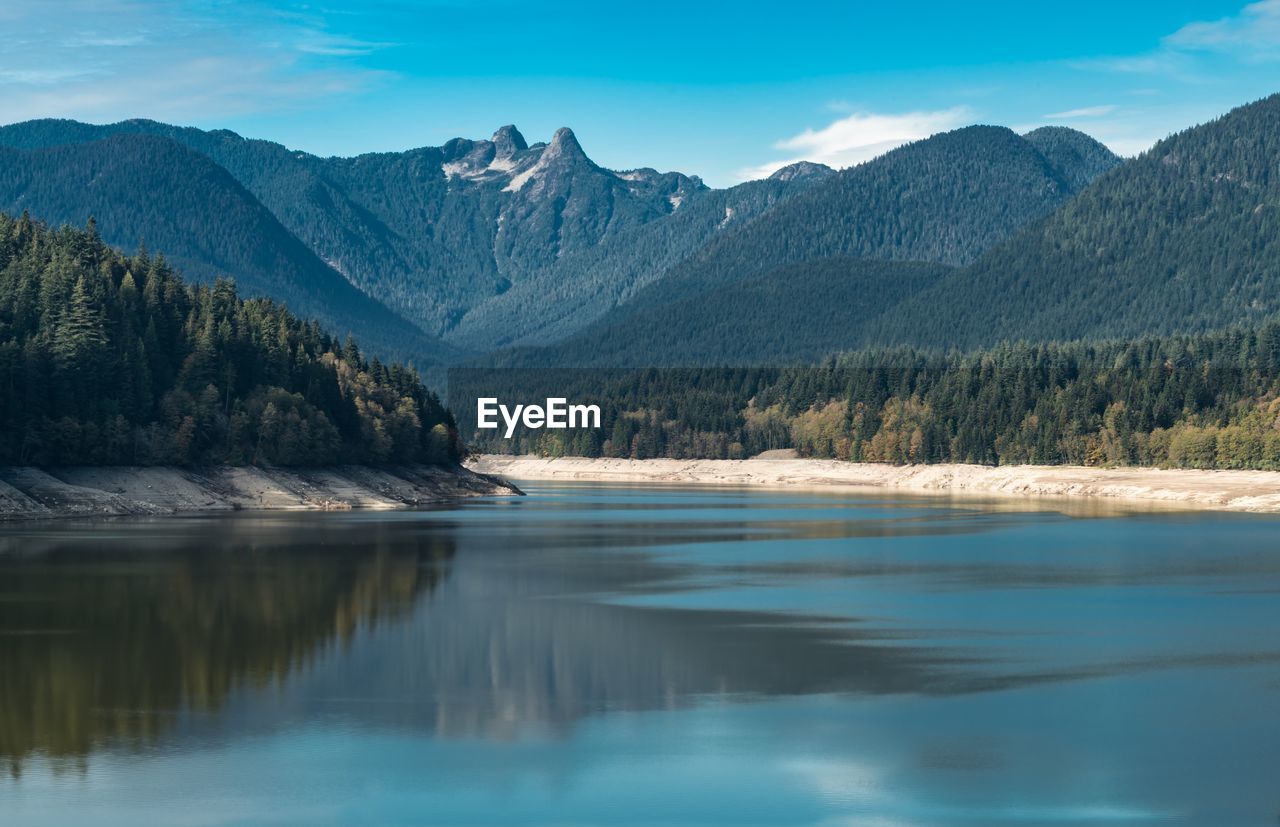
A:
(465, 241)
(534, 254)
(944, 200)
(151, 190)
(1183, 239)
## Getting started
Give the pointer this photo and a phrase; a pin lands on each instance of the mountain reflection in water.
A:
(120, 632)
(109, 633)
(948, 643)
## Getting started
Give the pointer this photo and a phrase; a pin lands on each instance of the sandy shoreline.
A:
(33, 493)
(1152, 487)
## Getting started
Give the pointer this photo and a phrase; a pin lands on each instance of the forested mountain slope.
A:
(108, 358)
(153, 190)
(795, 314)
(438, 232)
(496, 243)
(1185, 238)
(1077, 158)
(558, 300)
(945, 200)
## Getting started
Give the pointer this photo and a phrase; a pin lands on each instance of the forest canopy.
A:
(1204, 401)
(112, 359)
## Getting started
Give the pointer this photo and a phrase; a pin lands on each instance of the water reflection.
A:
(107, 635)
(725, 653)
(121, 633)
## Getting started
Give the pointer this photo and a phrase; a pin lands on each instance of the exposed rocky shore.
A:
(1175, 488)
(32, 493)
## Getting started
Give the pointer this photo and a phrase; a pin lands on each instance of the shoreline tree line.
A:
(112, 359)
(1197, 401)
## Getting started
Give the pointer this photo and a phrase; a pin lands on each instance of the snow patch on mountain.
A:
(501, 165)
(461, 169)
(520, 179)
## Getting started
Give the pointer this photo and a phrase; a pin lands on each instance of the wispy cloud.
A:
(1164, 62)
(1082, 112)
(1253, 34)
(323, 43)
(41, 77)
(1179, 76)
(90, 41)
(857, 138)
(173, 61)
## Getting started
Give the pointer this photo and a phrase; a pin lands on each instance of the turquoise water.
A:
(598, 655)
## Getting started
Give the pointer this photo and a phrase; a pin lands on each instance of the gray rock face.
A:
(802, 171)
(507, 141)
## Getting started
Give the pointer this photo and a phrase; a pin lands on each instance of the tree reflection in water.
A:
(110, 641)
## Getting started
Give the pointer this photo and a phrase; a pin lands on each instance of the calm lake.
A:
(604, 655)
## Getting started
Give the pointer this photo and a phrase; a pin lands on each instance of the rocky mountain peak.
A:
(507, 141)
(802, 171)
(564, 144)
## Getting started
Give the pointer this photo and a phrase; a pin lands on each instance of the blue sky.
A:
(728, 91)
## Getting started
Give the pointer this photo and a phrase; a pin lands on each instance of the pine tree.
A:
(80, 335)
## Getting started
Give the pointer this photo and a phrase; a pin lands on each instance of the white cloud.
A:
(41, 77)
(186, 91)
(1083, 112)
(322, 43)
(1195, 58)
(92, 41)
(192, 65)
(1253, 34)
(858, 137)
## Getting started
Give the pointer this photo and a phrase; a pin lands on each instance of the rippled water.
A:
(596, 655)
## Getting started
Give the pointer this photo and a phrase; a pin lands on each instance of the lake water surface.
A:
(603, 655)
